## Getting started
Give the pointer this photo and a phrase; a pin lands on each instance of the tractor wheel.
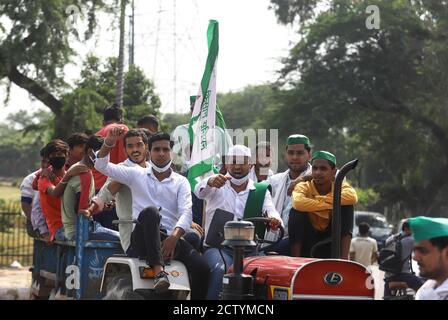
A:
(120, 288)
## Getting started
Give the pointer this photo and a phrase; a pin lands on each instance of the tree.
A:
(381, 92)
(34, 47)
(120, 78)
(241, 109)
(96, 88)
(21, 141)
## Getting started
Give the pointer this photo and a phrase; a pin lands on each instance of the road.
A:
(14, 283)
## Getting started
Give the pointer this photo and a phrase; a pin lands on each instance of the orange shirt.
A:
(117, 154)
(51, 206)
(306, 198)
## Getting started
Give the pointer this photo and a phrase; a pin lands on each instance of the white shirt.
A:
(427, 291)
(364, 248)
(27, 191)
(280, 183)
(172, 194)
(226, 198)
(123, 205)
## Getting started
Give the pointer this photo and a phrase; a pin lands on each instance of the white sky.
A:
(251, 44)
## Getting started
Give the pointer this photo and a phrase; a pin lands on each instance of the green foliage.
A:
(96, 89)
(21, 141)
(378, 95)
(241, 109)
(366, 198)
(34, 37)
(172, 120)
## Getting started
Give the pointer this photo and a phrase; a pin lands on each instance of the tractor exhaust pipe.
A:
(336, 220)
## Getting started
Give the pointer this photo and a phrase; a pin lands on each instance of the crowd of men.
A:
(128, 174)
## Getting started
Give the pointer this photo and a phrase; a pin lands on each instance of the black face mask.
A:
(57, 162)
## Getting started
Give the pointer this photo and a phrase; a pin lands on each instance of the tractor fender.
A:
(177, 273)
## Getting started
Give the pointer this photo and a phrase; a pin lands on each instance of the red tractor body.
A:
(288, 278)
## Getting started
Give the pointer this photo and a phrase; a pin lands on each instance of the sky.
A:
(171, 48)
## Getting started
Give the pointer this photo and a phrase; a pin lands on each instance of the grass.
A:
(9, 193)
(15, 242)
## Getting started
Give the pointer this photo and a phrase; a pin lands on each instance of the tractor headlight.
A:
(239, 233)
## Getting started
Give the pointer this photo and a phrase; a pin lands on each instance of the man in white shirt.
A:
(229, 193)
(431, 254)
(158, 187)
(136, 147)
(30, 203)
(364, 249)
(297, 157)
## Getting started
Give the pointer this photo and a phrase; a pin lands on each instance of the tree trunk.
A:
(120, 77)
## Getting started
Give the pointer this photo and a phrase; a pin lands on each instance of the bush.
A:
(366, 198)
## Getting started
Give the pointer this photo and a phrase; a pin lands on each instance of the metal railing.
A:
(15, 243)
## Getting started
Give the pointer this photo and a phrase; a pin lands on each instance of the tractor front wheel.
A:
(120, 288)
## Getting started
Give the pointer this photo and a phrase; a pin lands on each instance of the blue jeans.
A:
(218, 269)
(98, 233)
(282, 248)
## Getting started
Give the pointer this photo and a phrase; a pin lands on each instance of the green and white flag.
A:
(206, 119)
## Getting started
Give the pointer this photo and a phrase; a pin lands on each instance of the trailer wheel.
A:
(120, 288)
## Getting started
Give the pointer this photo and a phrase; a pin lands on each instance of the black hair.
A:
(136, 133)
(159, 136)
(146, 132)
(150, 120)
(440, 242)
(113, 113)
(77, 138)
(54, 146)
(405, 225)
(363, 228)
(42, 152)
(93, 142)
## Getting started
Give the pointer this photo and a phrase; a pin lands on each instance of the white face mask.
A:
(158, 169)
(239, 181)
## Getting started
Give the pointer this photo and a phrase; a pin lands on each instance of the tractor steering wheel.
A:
(265, 222)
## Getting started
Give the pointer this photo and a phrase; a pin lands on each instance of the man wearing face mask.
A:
(231, 192)
(77, 195)
(50, 190)
(158, 187)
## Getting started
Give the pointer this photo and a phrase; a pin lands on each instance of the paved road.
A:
(14, 283)
(378, 277)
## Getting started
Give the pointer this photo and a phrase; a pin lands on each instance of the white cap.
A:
(239, 150)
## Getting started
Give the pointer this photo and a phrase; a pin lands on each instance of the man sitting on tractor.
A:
(158, 187)
(297, 157)
(77, 195)
(237, 194)
(312, 202)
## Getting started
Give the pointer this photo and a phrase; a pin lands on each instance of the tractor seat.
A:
(397, 285)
